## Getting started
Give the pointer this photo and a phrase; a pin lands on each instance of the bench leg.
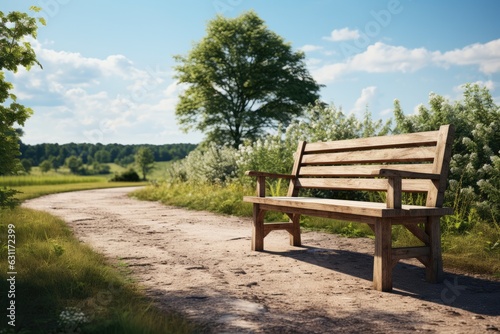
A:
(434, 269)
(295, 235)
(258, 228)
(382, 262)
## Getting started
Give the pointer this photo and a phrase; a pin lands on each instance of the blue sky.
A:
(108, 66)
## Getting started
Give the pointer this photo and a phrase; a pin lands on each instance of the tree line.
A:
(57, 155)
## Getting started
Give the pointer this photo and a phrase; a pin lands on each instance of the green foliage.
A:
(129, 175)
(26, 165)
(207, 164)
(45, 166)
(145, 159)
(475, 164)
(74, 164)
(218, 198)
(121, 154)
(241, 79)
(15, 52)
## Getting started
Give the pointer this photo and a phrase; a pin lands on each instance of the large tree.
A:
(241, 79)
(15, 52)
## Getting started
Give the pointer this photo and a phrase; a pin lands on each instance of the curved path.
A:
(200, 264)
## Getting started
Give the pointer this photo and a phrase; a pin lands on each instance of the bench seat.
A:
(358, 208)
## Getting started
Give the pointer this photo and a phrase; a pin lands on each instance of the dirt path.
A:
(200, 264)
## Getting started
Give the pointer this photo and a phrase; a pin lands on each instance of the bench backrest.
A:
(352, 164)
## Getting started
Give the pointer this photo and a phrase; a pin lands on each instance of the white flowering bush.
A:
(207, 164)
(320, 122)
(474, 179)
(71, 319)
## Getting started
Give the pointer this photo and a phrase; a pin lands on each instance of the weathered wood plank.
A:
(355, 208)
(382, 261)
(418, 232)
(293, 190)
(410, 252)
(258, 228)
(394, 189)
(412, 154)
(360, 184)
(404, 140)
(435, 195)
(269, 227)
(361, 170)
(434, 271)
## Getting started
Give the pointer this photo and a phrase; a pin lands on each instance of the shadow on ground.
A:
(473, 294)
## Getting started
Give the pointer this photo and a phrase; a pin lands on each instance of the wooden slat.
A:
(361, 170)
(404, 140)
(416, 185)
(277, 226)
(293, 191)
(360, 184)
(418, 232)
(354, 208)
(444, 145)
(410, 252)
(412, 154)
(343, 184)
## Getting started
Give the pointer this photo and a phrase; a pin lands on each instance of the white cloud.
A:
(343, 34)
(384, 58)
(486, 56)
(83, 99)
(368, 95)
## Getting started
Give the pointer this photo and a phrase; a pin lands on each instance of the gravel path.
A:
(200, 265)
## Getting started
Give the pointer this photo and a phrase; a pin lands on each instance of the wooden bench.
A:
(416, 162)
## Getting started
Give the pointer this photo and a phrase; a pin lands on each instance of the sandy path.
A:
(200, 264)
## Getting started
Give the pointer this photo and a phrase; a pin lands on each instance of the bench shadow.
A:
(469, 293)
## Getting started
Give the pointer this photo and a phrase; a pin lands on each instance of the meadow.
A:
(63, 286)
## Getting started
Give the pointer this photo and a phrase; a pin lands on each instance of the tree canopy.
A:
(241, 79)
(15, 52)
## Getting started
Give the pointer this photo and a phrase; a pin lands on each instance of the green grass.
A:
(45, 180)
(56, 273)
(476, 251)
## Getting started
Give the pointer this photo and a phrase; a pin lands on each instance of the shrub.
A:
(127, 176)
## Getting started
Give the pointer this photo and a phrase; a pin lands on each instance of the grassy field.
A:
(62, 286)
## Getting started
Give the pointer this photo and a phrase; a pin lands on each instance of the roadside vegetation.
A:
(212, 176)
(62, 286)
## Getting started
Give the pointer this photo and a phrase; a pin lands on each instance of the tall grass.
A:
(56, 273)
(62, 286)
(44, 180)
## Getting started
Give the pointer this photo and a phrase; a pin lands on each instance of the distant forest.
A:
(100, 153)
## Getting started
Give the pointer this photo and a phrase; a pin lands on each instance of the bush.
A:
(127, 176)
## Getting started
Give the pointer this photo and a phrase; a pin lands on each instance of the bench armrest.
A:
(394, 186)
(261, 180)
(271, 175)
